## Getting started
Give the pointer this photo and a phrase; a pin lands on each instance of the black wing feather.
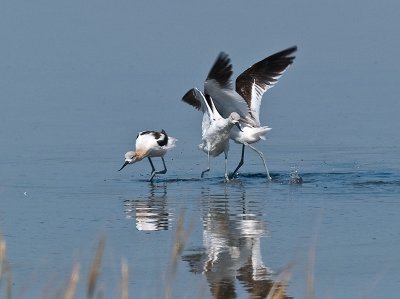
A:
(190, 98)
(264, 72)
(221, 71)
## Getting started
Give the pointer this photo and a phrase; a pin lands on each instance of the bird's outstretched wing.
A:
(219, 86)
(261, 76)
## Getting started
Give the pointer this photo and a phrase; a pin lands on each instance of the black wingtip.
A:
(291, 49)
(189, 94)
(279, 61)
(221, 71)
(190, 98)
(285, 54)
(264, 73)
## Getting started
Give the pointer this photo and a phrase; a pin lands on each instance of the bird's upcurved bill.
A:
(238, 125)
(126, 163)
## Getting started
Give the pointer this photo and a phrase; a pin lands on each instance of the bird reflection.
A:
(151, 213)
(232, 229)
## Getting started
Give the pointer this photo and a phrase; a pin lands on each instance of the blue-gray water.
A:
(78, 80)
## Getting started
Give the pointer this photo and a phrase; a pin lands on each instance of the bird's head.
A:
(234, 118)
(130, 158)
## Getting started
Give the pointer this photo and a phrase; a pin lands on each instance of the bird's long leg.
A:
(262, 158)
(240, 163)
(226, 168)
(164, 171)
(208, 168)
(154, 172)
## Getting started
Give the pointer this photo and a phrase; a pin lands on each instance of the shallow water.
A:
(242, 234)
(79, 81)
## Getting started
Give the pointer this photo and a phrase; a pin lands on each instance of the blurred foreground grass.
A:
(278, 290)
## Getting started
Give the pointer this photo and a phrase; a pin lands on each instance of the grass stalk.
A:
(278, 290)
(181, 237)
(5, 270)
(72, 283)
(124, 279)
(95, 269)
(2, 256)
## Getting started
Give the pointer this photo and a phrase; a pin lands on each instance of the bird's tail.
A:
(171, 142)
(262, 131)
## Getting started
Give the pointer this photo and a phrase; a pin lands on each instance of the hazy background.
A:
(81, 63)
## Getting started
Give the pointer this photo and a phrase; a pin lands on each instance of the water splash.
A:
(295, 178)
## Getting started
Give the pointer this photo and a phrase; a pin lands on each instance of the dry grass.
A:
(5, 270)
(95, 269)
(125, 280)
(181, 237)
(310, 275)
(72, 283)
(278, 291)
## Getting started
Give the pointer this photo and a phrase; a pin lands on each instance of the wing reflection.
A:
(150, 213)
(232, 229)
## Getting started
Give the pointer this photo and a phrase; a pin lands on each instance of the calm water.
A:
(78, 81)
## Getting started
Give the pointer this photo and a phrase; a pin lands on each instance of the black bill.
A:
(126, 163)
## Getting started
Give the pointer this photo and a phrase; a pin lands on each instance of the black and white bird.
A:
(246, 98)
(150, 144)
(215, 129)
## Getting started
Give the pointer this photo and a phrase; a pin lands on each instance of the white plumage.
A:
(215, 129)
(246, 99)
(150, 144)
